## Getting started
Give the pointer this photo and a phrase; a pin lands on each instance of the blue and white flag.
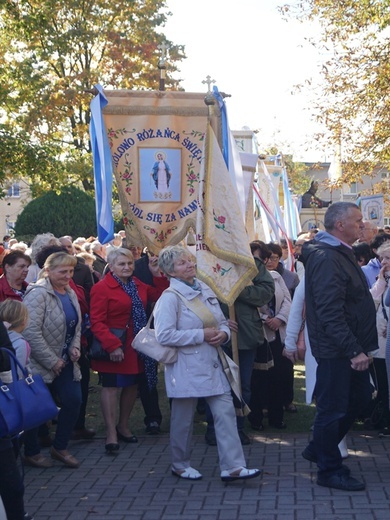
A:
(231, 154)
(102, 168)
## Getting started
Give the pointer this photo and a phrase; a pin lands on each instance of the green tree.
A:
(71, 212)
(52, 52)
(299, 182)
(21, 157)
(353, 102)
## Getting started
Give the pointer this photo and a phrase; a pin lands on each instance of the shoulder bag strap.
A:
(199, 308)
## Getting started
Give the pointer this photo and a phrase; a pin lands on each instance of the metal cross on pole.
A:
(161, 64)
(208, 81)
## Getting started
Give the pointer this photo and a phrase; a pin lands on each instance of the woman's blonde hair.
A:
(14, 312)
(86, 256)
(59, 259)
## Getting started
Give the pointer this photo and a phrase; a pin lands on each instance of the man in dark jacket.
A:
(340, 316)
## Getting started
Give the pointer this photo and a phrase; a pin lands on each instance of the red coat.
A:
(111, 307)
(6, 290)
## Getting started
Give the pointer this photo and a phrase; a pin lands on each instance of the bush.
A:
(71, 212)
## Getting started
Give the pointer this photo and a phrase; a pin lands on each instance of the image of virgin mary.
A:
(161, 174)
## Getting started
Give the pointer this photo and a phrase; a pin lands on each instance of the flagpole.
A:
(233, 337)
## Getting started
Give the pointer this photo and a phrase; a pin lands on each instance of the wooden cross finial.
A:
(162, 47)
(208, 81)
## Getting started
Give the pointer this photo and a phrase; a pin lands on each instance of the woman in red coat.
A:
(119, 301)
(15, 268)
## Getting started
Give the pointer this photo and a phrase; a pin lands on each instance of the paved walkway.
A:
(137, 484)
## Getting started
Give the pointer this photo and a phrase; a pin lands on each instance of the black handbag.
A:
(96, 350)
(25, 403)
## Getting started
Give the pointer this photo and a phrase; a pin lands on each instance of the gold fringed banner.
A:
(156, 140)
(224, 258)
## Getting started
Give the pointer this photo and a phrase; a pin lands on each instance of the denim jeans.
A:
(341, 394)
(246, 359)
(69, 394)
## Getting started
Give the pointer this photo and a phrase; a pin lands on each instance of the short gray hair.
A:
(383, 248)
(337, 211)
(168, 257)
(114, 254)
(96, 246)
(43, 240)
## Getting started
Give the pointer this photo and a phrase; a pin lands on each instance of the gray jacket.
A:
(46, 329)
(197, 371)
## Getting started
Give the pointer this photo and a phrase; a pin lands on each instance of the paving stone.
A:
(137, 484)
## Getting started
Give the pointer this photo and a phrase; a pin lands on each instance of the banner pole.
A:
(232, 316)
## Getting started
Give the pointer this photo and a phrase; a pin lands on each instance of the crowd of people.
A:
(59, 294)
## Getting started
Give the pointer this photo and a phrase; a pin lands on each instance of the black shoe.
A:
(27, 517)
(279, 425)
(132, 439)
(385, 432)
(245, 440)
(210, 438)
(343, 481)
(84, 433)
(153, 428)
(257, 427)
(309, 455)
(111, 447)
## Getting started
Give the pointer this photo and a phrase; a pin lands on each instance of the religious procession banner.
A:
(224, 259)
(372, 207)
(156, 142)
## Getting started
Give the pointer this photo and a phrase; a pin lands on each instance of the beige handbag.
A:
(146, 343)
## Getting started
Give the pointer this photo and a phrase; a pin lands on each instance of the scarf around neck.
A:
(139, 319)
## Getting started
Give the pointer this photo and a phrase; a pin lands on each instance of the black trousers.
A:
(149, 400)
(11, 485)
(85, 367)
(268, 388)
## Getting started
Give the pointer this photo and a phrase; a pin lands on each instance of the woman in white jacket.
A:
(378, 370)
(198, 371)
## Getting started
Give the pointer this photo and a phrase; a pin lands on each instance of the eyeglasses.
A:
(274, 258)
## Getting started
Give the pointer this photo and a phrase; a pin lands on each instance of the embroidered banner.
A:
(372, 207)
(156, 141)
(223, 255)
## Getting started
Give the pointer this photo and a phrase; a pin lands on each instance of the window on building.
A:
(353, 187)
(14, 190)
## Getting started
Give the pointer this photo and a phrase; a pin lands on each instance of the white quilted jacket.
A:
(46, 328)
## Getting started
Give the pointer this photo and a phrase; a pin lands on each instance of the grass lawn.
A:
(296, 422)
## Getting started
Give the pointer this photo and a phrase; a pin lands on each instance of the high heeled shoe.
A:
(132, 439)
(111, 447)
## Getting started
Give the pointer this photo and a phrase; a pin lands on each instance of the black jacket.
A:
(340, 311)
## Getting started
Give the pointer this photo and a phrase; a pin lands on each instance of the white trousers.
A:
(231, 455)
